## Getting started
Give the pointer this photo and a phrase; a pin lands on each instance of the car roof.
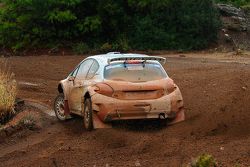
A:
(103, 58)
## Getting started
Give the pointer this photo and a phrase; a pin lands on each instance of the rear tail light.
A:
(171, 86)
(104, 89)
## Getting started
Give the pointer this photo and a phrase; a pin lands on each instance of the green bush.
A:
(122, 44)
(204, 160)
(106, 47)
(125, 24)
(80, 48)
(181, 25)
(246, 8)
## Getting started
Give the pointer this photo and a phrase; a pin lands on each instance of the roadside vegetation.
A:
(8, 90)
(28, 121)
(85, 26)
(204, 160)
(238, 3)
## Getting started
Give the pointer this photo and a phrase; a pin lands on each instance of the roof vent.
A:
(110, 53)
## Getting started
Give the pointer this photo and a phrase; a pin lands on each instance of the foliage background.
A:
(85, 25)
(238, 3)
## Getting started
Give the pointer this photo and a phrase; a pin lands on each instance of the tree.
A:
(141, 24)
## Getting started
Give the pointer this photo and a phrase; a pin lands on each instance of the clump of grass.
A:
(28, 121)
(8, 91)
(204, 160)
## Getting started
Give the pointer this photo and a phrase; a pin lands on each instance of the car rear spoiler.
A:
(155, 58)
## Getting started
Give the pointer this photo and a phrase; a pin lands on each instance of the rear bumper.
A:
(169, 106)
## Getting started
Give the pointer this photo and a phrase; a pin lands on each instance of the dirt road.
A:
(216, 93)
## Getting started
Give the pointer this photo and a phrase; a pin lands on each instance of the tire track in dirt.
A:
(216, 95)
(22, 144)
(42, 107)
(12, 145)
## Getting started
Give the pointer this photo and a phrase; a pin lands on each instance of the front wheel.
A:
(59, 107)
(87, 117)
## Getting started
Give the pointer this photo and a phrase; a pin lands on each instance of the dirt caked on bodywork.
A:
(114, 97)
(124, 100)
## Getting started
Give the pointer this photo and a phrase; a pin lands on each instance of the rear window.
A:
(134, 72)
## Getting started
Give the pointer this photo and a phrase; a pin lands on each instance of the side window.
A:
(83, 69)
(93, 69)
(73, 73)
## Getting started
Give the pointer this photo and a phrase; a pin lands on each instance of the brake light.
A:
(171, 86)
(133, 62)
(104, 89)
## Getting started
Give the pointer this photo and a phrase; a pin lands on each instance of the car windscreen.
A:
(134, 72)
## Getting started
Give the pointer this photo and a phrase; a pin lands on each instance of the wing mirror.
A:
(71, 78)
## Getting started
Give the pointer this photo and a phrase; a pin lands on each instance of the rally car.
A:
(115, 86)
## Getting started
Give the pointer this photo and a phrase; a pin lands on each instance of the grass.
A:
(205, 160)
(8, 91)
(28, 121)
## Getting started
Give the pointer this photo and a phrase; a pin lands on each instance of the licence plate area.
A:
(135, 108)
(138, 95)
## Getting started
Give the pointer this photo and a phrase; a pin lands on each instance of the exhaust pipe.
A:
(162, 116)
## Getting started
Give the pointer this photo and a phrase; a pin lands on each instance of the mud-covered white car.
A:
(114, 86)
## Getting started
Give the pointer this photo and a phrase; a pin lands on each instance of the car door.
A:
(77, 88)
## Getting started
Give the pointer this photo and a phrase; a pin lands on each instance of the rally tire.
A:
(88, 115)
(59, 107)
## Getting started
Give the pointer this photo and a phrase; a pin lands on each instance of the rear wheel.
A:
(88, 114)
(59, 107)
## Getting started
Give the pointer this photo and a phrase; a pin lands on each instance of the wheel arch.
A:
(60, 88)
(86, 95)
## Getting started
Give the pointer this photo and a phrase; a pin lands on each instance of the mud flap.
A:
(66, 108)
(179, 118)
(98, 124)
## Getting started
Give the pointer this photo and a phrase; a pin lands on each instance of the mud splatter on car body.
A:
(122, 87)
